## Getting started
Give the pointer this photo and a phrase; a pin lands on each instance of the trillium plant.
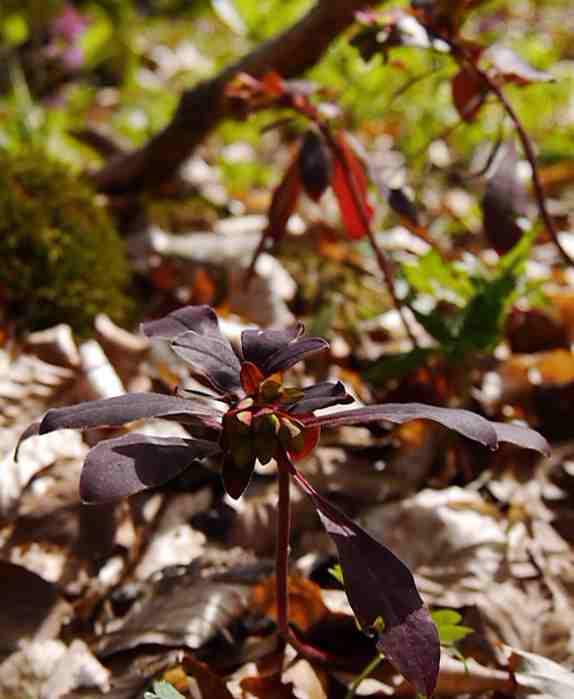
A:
(248, 414)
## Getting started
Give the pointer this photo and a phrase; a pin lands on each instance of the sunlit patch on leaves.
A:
(436, 25)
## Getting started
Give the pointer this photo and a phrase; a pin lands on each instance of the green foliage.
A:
(337, 293)
(265, 17)
(163, 690)
(479, 302)
(62, 259)
(468, 308)
(337, 572)
(448, 625)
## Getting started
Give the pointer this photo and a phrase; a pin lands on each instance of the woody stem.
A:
(282, 544)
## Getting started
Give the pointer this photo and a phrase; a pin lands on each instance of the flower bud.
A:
(315, 164)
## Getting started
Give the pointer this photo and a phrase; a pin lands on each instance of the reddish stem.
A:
(286, 469)
(380, 256)
(250, 273)
(527, 146)
(282, 545)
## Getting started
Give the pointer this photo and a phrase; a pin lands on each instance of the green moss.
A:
(62, 260)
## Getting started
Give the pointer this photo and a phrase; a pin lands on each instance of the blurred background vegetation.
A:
(122, 65)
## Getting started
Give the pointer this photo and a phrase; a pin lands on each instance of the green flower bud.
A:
(266, 429)
(291, 435)
(270, 391)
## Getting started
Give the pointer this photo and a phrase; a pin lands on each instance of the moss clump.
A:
(61, 259)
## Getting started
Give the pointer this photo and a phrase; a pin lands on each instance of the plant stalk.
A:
(527, 146)
(356, 683)
(282, 545)
(382, 260)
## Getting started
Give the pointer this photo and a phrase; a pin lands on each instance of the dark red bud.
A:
(270, 391)
(315, 165)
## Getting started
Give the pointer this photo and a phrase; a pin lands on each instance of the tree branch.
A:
(203, 107)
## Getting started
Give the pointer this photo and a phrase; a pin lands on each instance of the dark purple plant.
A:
(250, 415)
(67, 29)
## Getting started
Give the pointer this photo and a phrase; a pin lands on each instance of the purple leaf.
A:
(126, 465)
(200, 319)
(521, 436)
(468, 93)
(403, 205)
(259, 345)
(31, 431)
(322, 395)
(505, 200)
(381, 587)
(285, 357)
(512, 67)
(236, 478)
(211, 357)
(464, 422)
(112, 412)
(69, 24)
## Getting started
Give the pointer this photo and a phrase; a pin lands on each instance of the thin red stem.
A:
(286, 469)
(282, 545)
(250, 273)
(527, 146)
(382, 260)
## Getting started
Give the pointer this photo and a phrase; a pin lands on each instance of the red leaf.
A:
(284, 201)
(468, 94)
(350, 185)
(251, 377)
(312, 435)
(273, 84)
(210, 684)
(270, 686)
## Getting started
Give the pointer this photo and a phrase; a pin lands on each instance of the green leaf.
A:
(228, 14)
(446, 617)
(451, 634)
(437, 326)
(163, 690)
(484, 316)
(515, 259)
(396, 366)
(448, 625)
(433, 275)
(337, 572)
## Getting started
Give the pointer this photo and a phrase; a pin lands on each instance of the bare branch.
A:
(202, 108)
